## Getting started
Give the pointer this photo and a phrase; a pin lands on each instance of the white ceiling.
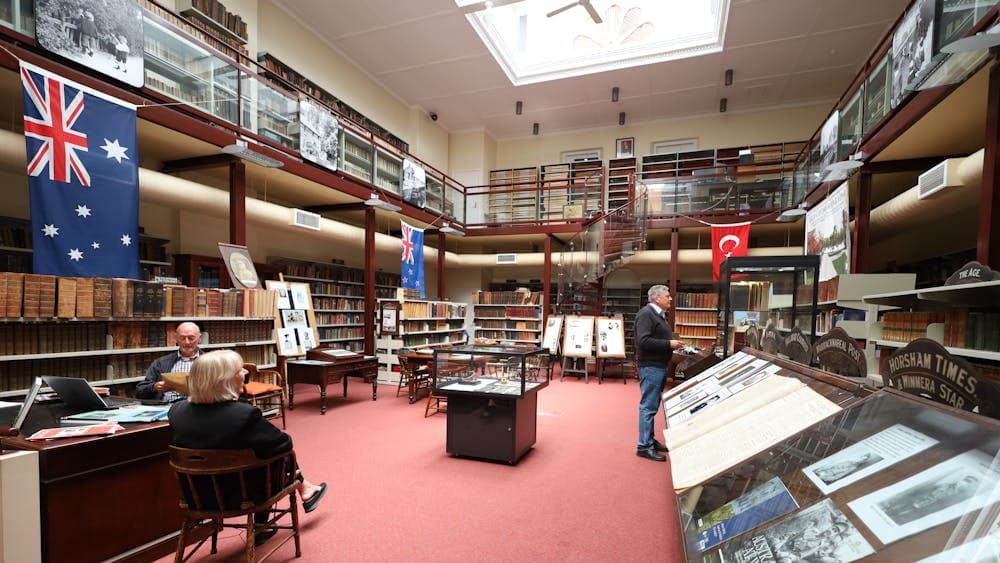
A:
(782, 52)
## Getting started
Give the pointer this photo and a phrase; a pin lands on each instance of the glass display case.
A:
(18, 15)
(492, 398)
(890, 478)
(778, 291)
(269, 111)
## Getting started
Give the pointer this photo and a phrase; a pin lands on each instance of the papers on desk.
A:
(339, 353)
(138, 413)
(75, 431)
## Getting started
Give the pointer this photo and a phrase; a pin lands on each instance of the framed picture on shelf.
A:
(241, 269)
(389, 315)
(625, 147)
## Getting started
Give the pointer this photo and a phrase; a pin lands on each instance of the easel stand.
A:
(606, 363)
(574, 366)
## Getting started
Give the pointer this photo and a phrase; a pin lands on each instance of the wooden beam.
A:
(547, 280)
(441, 247)
(370, 281)
(988, 237)
(862, 215)
(327, 208)
(238, 203)
(197, 163)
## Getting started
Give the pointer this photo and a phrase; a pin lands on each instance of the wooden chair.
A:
(220, 484)
(413, 377)
(435, 403)
(265, 390)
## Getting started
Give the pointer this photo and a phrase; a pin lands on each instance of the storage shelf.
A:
(965, 352)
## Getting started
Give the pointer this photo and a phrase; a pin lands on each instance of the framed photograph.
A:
(610, 337)
(294, 318)
(319, 134)
(553, 329)
(300, 296)
(414, 184)
(241, 269)
(578, 337)
(389, 315)
(103, 35)
(284, 301)
(625, 147)
(287, 346)
(306, 338)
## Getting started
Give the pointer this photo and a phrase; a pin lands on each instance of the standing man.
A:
(655, 348)
(154, 387)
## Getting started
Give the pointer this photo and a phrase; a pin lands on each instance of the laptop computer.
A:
(29, 400)
(78, 394)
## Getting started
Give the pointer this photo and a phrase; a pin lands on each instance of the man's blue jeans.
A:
(651, 382)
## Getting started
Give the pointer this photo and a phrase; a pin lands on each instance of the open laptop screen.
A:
(29, 400)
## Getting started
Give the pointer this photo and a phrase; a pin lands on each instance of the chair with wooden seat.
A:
(436, 403)
(264, 389)
(412, 376)
(217, 485)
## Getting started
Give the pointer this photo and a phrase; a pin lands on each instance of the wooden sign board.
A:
(610, 337)
(797, 346)
(972, 272)
(771, 341)
(578, 337)
(550, 337)
(923, 367)
(837, 352)
(294, 319)
(752, 337)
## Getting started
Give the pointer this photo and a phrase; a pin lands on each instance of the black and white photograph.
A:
(319, 134)
(294, 318)
(912, 45)
(578, 338)
(300, 296)
(828, 140)
(820, 532)
(306, 338)
(610, 338)
(550, 338)
(414, 183)
(287, 346)
(105, 35)
(868, 456)
(284, 302)
(936, 495)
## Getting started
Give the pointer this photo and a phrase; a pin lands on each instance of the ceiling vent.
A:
(305, 219)
(507, 258)
(944, 175)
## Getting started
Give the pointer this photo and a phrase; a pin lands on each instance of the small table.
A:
(324, 372)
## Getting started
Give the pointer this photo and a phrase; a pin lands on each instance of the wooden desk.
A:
(331, 370)
(103, 496)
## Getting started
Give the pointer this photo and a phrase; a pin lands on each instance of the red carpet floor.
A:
(580, 495)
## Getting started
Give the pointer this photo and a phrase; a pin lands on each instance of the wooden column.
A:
(862, 215)
(441, 266)
(988, 240)
(369, 281)
(238, 202)
(674, 248)
(547, 281)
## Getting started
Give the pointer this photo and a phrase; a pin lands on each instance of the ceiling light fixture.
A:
(978, 42)
(723, 105)
(614, 94)
(621, 118)
(239, 148)
(793, 214)
(534, 128)
(518, 107)
(729, 77)
(853, 162)
(449, 230)
(376, 201)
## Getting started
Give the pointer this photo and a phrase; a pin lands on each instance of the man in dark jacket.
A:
(655, 346)
(154, 387)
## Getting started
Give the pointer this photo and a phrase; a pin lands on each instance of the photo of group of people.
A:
(105, 35)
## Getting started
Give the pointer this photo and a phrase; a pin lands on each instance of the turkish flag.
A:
(728, 240)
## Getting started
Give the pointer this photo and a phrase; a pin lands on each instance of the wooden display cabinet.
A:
(210, 271)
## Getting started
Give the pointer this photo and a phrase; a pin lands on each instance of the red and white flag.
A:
(728, 240)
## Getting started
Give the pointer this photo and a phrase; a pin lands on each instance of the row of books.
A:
(125, 335)
(901, 326)
(337, 289)
(505, 324)
(341, 332)
(705, 331)
(423, 310)
(338, 304)
(507, 297)
(215, 10)
(15, 236)
(36, 296)
(520, 312)
(508, 335)
(696, 317)
(33, 338)
(972, 329)
(697, 300)
(19, 375)
(339, 318)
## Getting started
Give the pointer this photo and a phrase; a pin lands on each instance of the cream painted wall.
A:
(473, 150)
(711, 131)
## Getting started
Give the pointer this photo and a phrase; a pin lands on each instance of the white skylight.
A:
(539, 40)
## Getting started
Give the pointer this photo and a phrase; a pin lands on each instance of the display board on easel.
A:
(294, 318)
(578, 337)
(550, 337)
(610, 337)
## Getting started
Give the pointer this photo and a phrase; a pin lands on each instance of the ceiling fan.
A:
(585, 3)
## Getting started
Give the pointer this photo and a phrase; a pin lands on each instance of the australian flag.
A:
(412, 270)
(83, 178)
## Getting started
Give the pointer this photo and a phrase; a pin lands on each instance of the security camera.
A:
(434, 116)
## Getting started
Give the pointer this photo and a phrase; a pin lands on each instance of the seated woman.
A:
(213, 418)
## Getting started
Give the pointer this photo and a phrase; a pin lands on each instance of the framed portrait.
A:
(610, 337)
(389, 317)
(625, 147)
(241, 269)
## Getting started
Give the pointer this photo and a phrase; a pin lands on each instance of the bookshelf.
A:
(210, 271)
(271, 112)
(338, 296)
(965, 318)
(355, 155)
(508, 317)
(619, 190)
(388, 171)
(517, 200)
(696, 319)
(213, 14)
(422, 324)
(587, 186)
(554, 192)
(624, 302)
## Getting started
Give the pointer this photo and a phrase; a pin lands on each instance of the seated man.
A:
(154, 387)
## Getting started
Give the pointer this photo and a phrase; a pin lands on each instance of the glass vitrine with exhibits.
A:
(890, 478)
(500, 371)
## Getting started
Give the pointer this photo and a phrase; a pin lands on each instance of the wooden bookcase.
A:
(210, 271)
(422, 324)
(513, 196)
(508, 317)
(619, 190)
(553, 195)
(587, 186)
(696, 319)
(338, 296)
